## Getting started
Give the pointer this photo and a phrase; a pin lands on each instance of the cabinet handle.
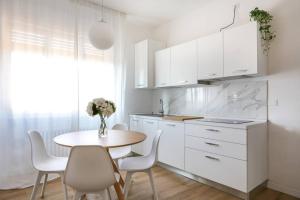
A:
(140, 85)
(212, 144)
(135, 120)
(240, 70)
(163, 84)
(212, 158)
(149, 122)
(173, 125)
(212, 130)
(182, 81)
(212, 74)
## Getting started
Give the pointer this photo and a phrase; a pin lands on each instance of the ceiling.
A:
(153, 12)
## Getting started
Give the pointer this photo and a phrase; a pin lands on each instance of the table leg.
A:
(120, 184)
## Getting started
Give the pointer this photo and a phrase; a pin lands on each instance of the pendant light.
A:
(101, 33)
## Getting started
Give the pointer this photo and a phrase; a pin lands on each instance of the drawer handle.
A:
(149, 122)
(173, 125)
(240, 70)
(163, 84)
(183, 81)
(212, 130)
(212, 158)
(212, 144)
(212, 74)
(135, 120)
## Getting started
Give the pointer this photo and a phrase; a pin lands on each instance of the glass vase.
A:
(102, 131)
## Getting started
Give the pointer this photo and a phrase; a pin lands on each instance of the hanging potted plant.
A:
(104, 109)
(264, 19)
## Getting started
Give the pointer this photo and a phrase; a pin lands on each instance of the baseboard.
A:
(284, 189)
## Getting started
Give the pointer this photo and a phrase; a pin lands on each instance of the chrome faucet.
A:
(161, 111)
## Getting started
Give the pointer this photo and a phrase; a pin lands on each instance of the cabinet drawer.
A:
(217, 133)
(227, 171)
(218, 147)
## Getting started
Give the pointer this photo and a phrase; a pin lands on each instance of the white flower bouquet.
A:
(104, 109)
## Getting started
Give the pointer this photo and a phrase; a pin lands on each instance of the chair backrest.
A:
(153, 153)
(89, 169)
(121, 126)
(38, 150)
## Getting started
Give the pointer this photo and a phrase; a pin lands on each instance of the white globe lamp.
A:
(101, 35)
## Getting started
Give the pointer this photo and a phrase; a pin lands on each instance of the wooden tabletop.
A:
(114, 138)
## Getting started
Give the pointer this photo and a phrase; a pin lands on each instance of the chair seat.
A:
(135, 163)
(52, 164)
(120, 152)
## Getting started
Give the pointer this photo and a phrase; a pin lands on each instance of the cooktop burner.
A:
(225, 121)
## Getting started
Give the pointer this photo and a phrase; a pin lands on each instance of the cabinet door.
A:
(210, 57)
(171, 145)
(141, 64)
(240, 50)
(184, 64)
(150, 129)
(162, 68)
(136, 124)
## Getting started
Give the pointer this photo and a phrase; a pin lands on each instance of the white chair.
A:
(44, 163)
(141, 164)
(119, 152)
(89, 170)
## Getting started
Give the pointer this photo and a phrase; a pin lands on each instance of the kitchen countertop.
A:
(201, 122)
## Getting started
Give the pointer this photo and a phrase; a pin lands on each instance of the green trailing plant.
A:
(264, 19)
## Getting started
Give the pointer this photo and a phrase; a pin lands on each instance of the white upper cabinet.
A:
(184, 64)
(243, 53)
(144, 63)
(162, 67)
(210, 57)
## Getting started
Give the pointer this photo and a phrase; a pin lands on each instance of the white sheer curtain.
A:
(48, 73)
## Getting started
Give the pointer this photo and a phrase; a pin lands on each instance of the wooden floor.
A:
(169, 185)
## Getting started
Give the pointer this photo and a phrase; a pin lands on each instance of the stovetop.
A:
(225, 121)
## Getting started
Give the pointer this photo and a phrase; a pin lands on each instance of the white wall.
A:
(284, 75)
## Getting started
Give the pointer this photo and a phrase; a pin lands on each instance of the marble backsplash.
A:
(227, 99)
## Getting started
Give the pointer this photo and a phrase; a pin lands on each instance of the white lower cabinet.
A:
(171, 145)
(136, 124)
(149, 128)
(221, 169)
(234, 157)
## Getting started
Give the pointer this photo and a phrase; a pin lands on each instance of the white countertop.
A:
(215, 124)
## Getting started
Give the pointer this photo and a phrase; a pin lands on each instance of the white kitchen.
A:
(145, 99)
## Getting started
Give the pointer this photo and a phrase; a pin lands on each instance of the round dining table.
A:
(113, 139)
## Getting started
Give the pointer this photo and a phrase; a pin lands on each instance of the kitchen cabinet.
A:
(184, 64)
(243, 52)
(144, 63)
(212, 151)
(171, 145)
(147, 126)
(150, 128)
(210, 57)
(162, 67)
(136, 124)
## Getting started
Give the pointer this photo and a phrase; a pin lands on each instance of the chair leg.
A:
(127, 184)
(36, 185)
(152, 184)
(44, 185)
(108, 193)
(64, 186)
(117, 163)
(77, 195)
